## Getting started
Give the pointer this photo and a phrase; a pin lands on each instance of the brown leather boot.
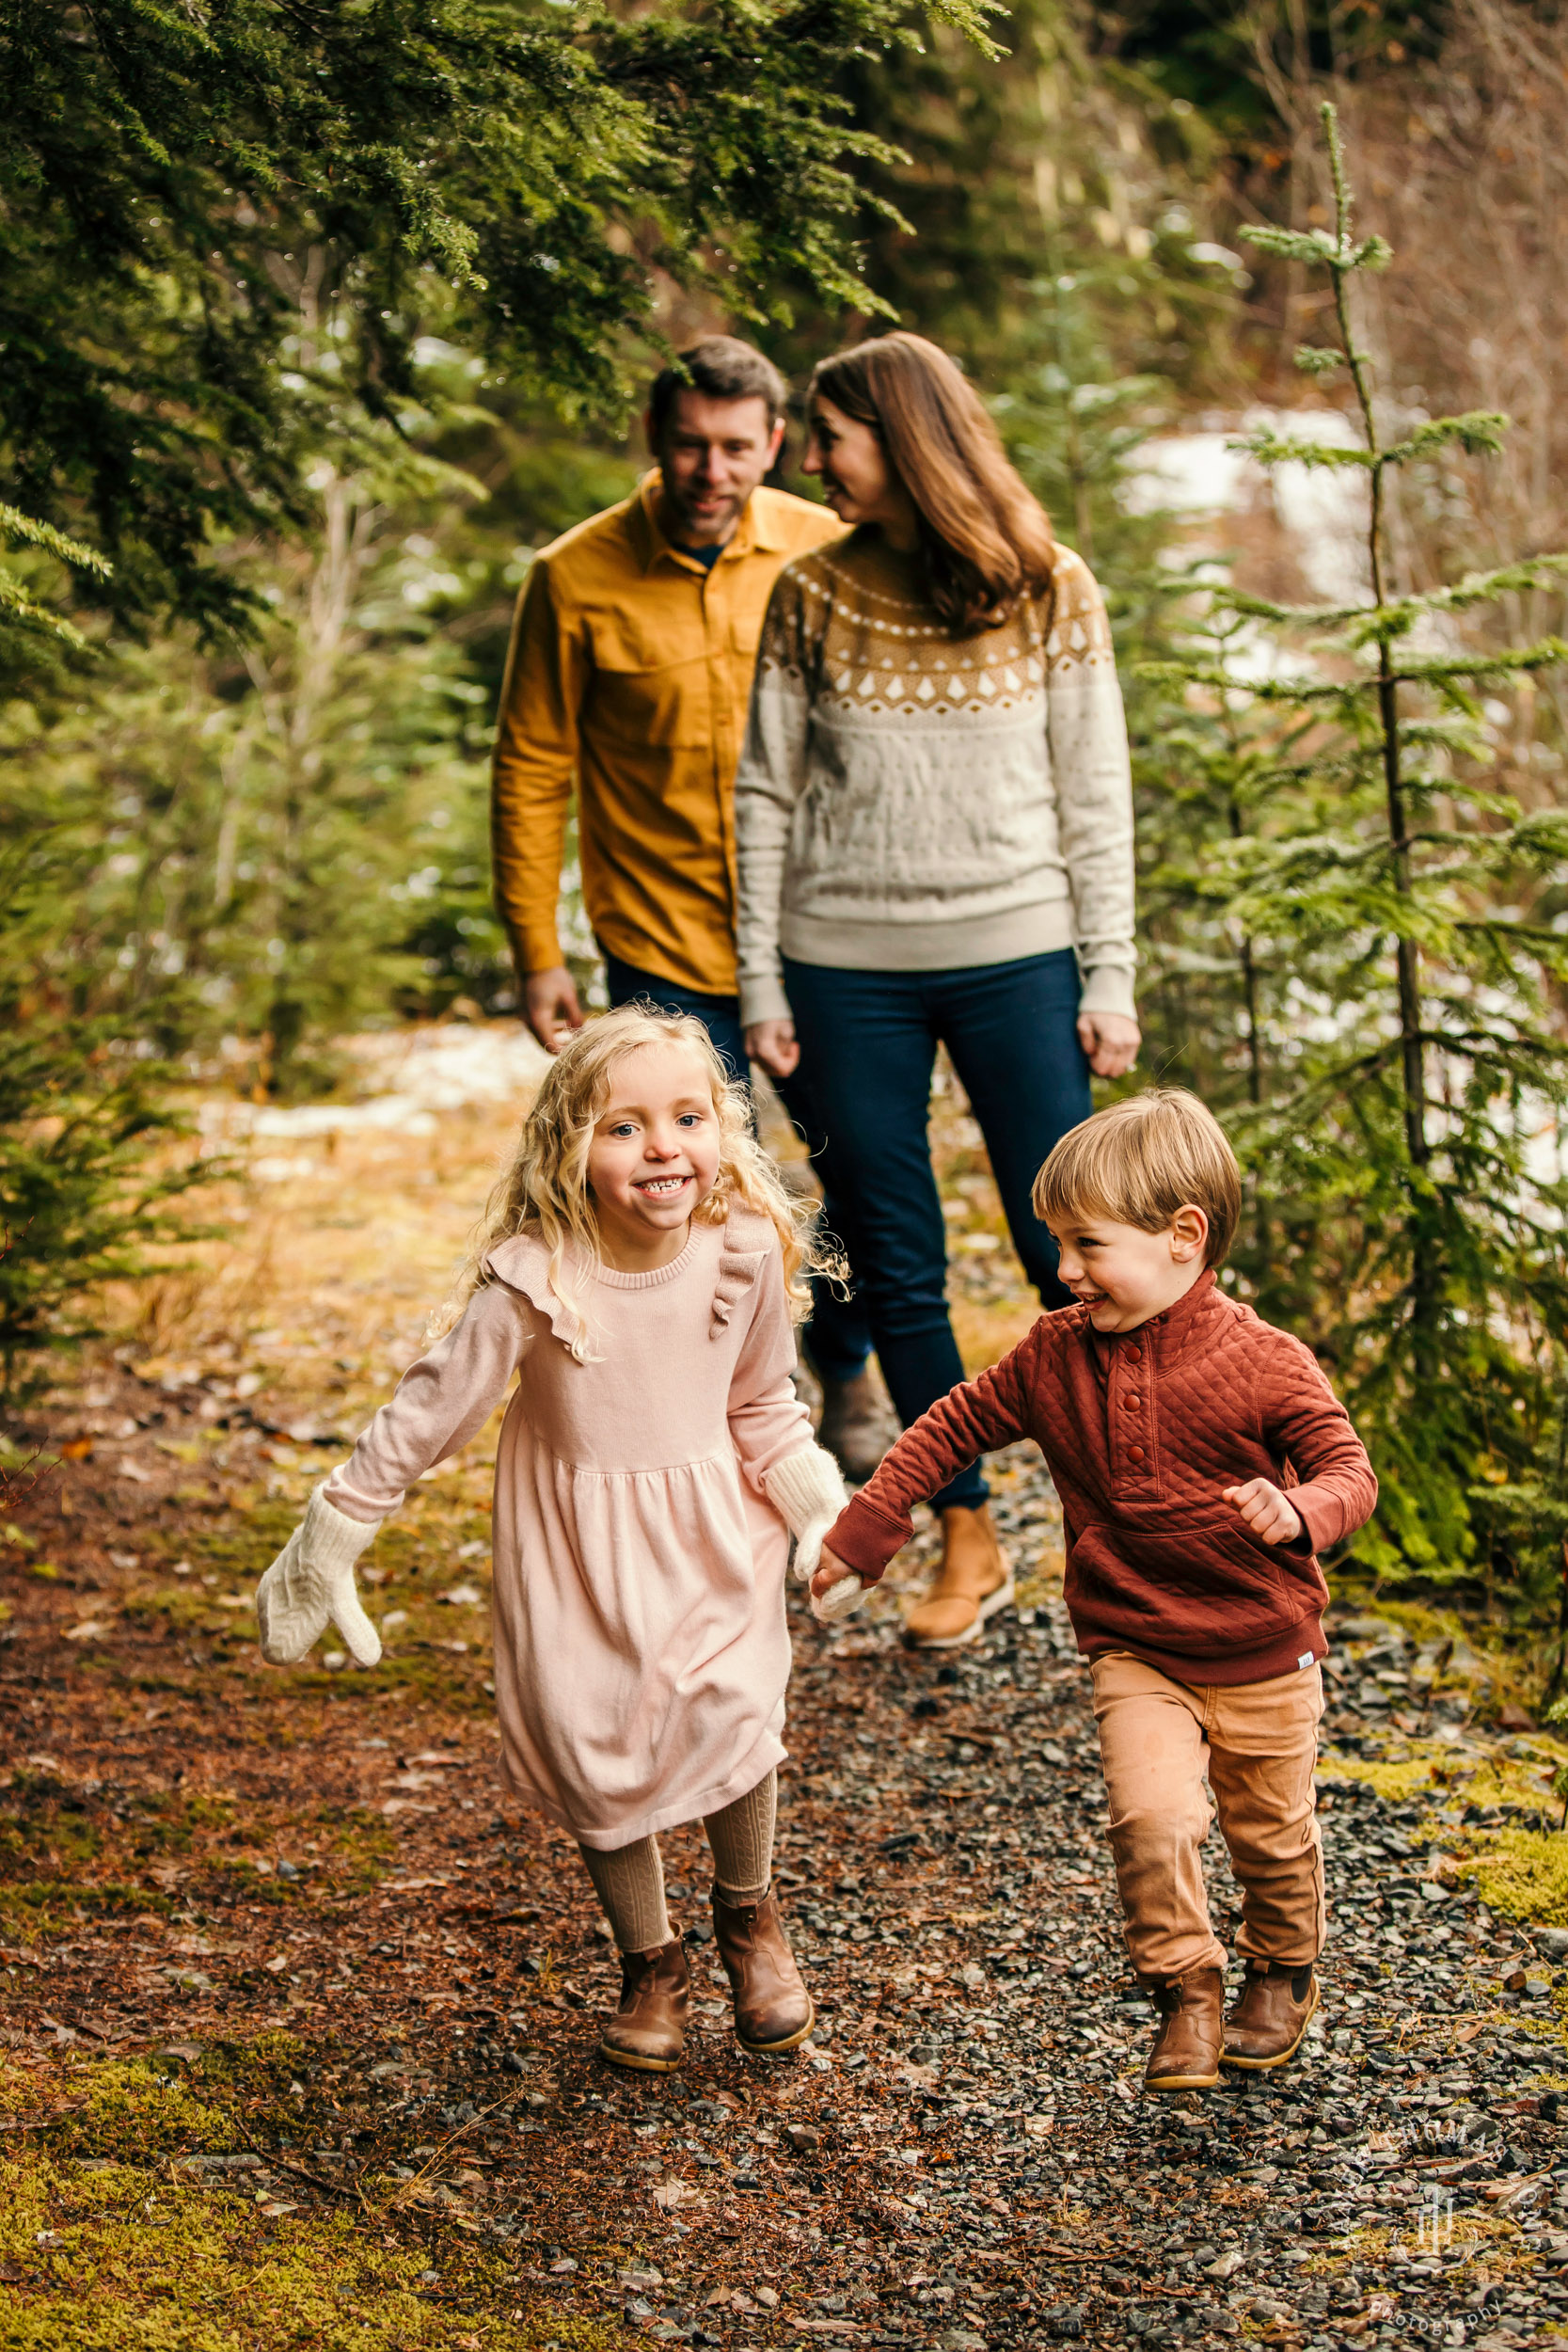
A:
(1186, 2052)
(855, 1427)
(976, 1580)
(1271, 2014)
(773, 2012)
(648, 2030)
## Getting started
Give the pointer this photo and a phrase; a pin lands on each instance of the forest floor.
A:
(297, 2046)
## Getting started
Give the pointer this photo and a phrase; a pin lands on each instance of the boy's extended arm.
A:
(1305, 1422)
(970, 1419)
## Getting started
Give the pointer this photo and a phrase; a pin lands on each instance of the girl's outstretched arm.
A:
(440, 1403)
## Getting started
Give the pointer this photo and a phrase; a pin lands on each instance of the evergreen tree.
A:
(178, 184)
(1399, 1121)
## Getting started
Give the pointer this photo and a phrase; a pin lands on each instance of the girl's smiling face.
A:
(1125, 1276)
(654, 1155)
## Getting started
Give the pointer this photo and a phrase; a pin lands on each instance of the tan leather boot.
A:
(773, 2012)
(648, 2030)
(855, 1427)
(976, 1580)
(1271, 2014)
(1186, 2052)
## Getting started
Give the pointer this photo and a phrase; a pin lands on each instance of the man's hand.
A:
(550, 1006)
(773, 1043)
(1266, 1511)
(1111, 1040)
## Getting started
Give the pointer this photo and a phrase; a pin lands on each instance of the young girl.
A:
(640, 1271)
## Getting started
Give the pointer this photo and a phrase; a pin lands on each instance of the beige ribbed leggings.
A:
(630, 1880)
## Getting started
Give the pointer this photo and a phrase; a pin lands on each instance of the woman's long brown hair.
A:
(985, 540)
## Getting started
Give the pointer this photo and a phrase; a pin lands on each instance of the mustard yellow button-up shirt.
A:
(630, 669)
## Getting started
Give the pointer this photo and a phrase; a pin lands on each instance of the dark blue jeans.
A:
(838, 1337)
(869, 1040)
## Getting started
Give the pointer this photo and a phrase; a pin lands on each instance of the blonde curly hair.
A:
(546, 1190)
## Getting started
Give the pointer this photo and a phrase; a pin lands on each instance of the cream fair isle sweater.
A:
(912, 802)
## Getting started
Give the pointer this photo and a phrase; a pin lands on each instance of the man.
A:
(630, 670)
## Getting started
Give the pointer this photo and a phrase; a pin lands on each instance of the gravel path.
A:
(964, 2156)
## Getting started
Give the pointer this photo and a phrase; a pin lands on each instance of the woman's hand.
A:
(773, 1043)
(1266, 1511)
(1111, 1040)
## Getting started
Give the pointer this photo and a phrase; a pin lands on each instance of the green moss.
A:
(45, 1906)
(263, 2067)
(1395, 1780)
(1523, 1874)
(124, 2107)
(122, 2259)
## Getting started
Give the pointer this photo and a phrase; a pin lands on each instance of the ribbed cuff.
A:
(762, 998)
(805, 1486)
(330, 1541)
(1109, 989)
(863, 1539)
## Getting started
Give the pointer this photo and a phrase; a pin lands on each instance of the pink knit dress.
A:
(641, 1647)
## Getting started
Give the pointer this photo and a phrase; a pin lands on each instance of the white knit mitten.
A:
(311, 1584)
(807, 1490)
(840, 1601)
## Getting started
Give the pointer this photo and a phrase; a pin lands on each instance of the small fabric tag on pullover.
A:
(1305, 1658)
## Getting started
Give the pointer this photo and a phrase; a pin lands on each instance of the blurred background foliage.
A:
(312, 368)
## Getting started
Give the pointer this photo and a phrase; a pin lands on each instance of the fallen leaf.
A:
(277, 1963)
(94, 1630)
(671, 2194)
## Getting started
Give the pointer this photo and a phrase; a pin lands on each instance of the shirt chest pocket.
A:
(649, 683)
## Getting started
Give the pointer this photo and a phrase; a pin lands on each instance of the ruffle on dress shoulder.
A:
(523, 1263)
(743, 1252)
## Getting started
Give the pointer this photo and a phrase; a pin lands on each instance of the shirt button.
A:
(1135, 1453)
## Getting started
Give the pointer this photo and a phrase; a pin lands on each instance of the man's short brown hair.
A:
(725, 369)
(1140, 1161)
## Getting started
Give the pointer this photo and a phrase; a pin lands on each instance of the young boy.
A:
(1202, 1462)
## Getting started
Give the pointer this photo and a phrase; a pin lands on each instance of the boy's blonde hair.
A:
(1139, 1162)
(545, 1191)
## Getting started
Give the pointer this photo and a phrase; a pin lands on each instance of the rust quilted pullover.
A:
(1142, 1432)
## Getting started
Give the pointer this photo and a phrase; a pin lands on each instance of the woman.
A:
(934, 822)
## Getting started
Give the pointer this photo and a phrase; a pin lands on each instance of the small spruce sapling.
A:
(1409, 1068)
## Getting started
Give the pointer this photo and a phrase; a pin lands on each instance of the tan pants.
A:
(1257, 1742)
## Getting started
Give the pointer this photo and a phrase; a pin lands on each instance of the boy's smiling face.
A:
(1125, 1276)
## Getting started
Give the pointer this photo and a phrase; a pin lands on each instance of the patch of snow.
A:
(411, 1075)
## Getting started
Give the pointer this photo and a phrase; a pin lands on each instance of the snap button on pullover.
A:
(1135, 1453)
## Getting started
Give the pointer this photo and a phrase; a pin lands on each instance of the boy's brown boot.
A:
(1271, 2014)
(1186, 2052)
(773, 2012)
(976, 1580)
(855, 1427)
(648, 2030)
